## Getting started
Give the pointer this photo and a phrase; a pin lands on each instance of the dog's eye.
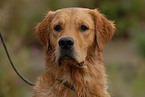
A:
(83, 28)
(57, 28)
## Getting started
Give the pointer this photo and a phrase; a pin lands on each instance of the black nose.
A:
(66, 42)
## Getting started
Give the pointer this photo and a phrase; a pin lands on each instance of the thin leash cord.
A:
(13, 66)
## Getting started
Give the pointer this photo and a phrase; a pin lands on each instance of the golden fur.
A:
(88, 80)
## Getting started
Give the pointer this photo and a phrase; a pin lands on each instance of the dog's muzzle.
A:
(67, 50)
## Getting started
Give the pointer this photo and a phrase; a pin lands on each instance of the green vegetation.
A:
(124, 56)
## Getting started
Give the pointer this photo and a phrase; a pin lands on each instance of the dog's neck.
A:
(87, 80)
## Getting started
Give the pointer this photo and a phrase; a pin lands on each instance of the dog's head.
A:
(70, 32)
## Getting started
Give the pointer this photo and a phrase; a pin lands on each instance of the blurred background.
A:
(124, 56)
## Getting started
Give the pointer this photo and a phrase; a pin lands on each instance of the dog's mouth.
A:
(69, 58)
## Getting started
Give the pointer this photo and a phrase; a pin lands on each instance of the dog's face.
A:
(71, 32)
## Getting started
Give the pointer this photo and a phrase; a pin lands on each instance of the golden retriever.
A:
(73, 40)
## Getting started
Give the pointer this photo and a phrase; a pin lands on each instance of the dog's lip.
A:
(66, 57)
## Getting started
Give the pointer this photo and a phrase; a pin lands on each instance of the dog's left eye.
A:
(83, 28)
(57, 28)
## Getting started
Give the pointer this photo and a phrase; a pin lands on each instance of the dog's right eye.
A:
(83, 28)
(57, 28)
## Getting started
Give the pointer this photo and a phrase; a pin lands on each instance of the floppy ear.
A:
(42, 29)
(104, 28)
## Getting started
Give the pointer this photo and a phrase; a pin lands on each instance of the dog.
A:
(73, 41)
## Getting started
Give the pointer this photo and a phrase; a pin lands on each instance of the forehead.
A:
(73, 14)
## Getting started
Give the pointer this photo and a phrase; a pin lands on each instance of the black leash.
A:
(24, 79)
